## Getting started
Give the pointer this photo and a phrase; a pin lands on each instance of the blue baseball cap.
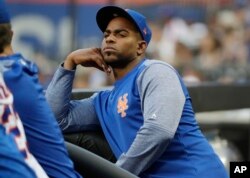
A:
(4, 14)
(107, 13)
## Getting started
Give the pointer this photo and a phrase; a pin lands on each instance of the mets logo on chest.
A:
(122, 105)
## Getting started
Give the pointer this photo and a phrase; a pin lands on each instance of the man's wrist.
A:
(69, 64)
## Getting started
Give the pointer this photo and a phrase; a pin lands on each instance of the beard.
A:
(118, 61)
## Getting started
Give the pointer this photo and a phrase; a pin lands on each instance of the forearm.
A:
(58, 93)
(149, 144)
(69, 63)
(71, 115)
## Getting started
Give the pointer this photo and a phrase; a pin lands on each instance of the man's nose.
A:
(110, 38)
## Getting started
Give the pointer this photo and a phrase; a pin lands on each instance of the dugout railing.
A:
(206, 97)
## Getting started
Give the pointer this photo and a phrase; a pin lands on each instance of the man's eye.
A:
(105, 35)
(121, 34)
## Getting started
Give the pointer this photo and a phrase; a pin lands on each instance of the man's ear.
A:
(142, 45)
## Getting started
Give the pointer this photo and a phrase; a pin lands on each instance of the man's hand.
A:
(89, 57)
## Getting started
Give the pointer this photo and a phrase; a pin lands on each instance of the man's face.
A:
(120, 43)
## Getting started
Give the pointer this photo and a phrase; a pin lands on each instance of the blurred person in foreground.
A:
(147, 116)
(31, 144)
(15, 158)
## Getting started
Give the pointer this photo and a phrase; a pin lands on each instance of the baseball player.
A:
(45, 143)
(15, 157)
(147, 117)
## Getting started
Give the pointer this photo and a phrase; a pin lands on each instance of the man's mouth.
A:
(108, 49)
